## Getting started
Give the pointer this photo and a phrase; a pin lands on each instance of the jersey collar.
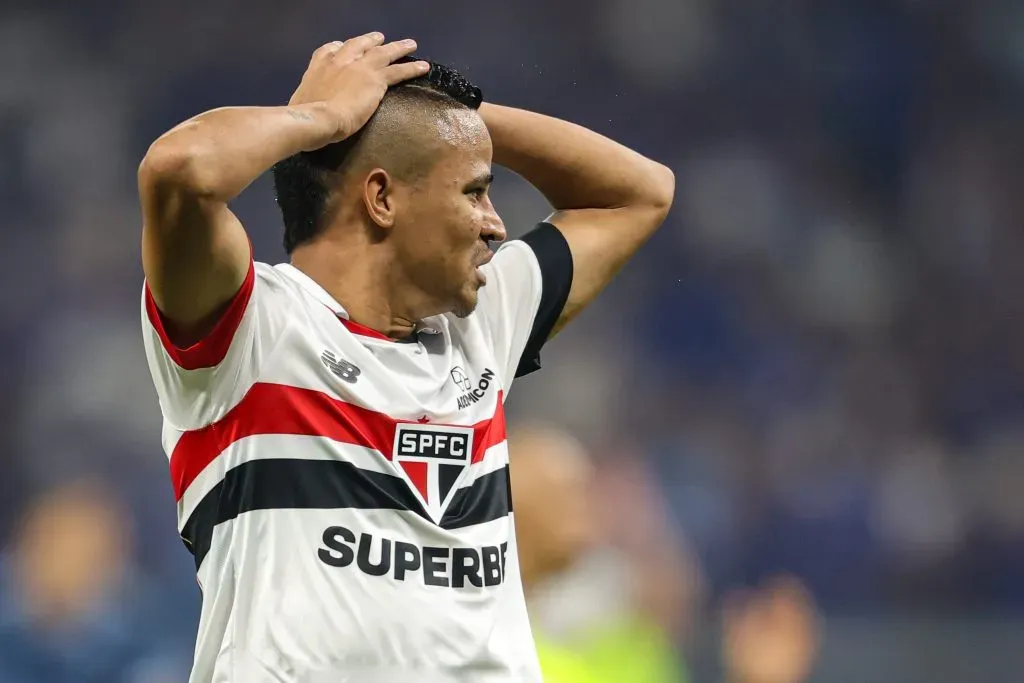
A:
(311, 287)
(321, 295)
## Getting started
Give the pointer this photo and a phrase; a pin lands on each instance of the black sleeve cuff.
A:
(555, 260)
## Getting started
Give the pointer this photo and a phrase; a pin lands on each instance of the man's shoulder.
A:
(513, 250)
(277, 289)
(272, 276)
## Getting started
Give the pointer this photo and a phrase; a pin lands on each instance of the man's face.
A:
(442, 237)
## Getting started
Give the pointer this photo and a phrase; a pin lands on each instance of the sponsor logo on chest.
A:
(445, 567)
(472, 394)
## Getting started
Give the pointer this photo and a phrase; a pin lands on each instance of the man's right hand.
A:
(348, 80)
(194, 250)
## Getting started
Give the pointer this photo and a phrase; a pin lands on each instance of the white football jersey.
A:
(346, 496)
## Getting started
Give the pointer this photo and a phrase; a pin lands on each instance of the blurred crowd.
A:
(814, 371)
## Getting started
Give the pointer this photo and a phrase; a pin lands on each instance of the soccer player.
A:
(335, 425)
(623, 627)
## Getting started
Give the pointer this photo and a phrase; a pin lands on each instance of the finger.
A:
(359, 45)
(396, 73)
(327, 49)
(387, 54)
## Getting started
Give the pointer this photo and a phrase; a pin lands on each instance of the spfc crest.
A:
(433, 458)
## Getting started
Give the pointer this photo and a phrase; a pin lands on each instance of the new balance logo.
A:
(340, 367)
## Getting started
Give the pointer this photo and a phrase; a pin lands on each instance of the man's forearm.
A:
(219, 153)
(574, 168)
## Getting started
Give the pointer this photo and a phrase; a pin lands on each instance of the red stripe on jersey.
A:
(209, 351)
(489, 432)
(281, 409)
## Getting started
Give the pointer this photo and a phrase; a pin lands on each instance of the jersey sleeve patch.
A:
(555, 260)
(211, 350)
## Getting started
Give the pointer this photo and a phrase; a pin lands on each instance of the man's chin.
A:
(466, 305)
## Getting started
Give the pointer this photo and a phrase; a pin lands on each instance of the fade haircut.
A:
(303, 183)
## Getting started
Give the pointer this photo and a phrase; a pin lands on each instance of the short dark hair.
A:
(302, 182)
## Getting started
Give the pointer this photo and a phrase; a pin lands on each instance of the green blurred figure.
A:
(626, 651)
(597, 616)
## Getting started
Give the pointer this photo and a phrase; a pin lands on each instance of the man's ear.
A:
(379, 199)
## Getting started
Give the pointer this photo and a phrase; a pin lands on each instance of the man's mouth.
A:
(483, 261)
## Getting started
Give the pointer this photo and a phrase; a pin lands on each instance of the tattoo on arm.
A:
(300, 115)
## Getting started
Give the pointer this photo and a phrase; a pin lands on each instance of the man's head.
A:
(414, 181)
(71, 550)
(551, 490)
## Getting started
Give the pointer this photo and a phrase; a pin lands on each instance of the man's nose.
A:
(494, 228)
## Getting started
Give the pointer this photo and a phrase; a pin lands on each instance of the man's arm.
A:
(195, 252)
(608, 199)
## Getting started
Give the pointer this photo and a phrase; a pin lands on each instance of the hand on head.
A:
(349, 79)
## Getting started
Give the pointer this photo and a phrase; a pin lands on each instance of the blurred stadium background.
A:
(816, 368)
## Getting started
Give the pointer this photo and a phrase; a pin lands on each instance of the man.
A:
(335, 425)
(586, 593)
(71, 607)
(771, 633)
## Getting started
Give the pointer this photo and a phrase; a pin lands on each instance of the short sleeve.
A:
(528, 283)
(198, 385)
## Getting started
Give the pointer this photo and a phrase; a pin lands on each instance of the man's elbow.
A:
(657, 189)
(165, 166)
(174, 162)
(664, 185)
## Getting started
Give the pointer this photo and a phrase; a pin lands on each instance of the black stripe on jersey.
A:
(292, 484)
(279, 484)
(486, 500)
(556, 270)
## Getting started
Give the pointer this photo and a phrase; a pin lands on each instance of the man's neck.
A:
(364, 283)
